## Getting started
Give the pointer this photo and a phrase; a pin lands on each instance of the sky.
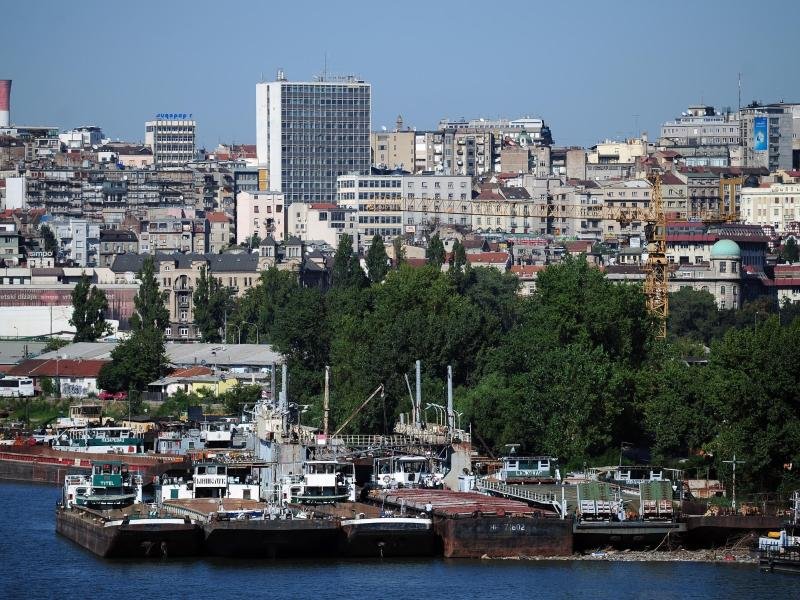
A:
(592, 70)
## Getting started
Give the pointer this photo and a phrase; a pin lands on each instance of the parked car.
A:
(118, 396)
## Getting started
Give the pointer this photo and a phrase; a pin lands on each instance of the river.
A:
(38, 563)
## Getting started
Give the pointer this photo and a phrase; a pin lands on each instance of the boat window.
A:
(106, 469)
(115, 470)
(211, 470)
(97, 469)
(201, 470)
(544, 465)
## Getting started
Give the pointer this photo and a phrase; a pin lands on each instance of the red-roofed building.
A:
(527, 275)
(498, 260)
(220, 231)
(75, 378)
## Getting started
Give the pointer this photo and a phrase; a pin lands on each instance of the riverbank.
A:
(739, 555)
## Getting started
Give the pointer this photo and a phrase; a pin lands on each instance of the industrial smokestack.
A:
(5, 102)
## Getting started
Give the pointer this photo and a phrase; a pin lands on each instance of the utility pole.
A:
(734, 462)
(326, 408)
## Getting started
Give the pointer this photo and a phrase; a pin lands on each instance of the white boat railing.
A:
(486, 485)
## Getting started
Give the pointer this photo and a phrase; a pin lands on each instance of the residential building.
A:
(322, 222)
(432, 200)
(261, 214)
(309, 133)
(173, 234)
(114, 242)
(78, 241)
(377, 200)
(87, 136)
(767, 136)
(172, 138)
(394, 149)
(177, 275)
(776, 205)
(504, 209)
(632, 193)
(220, 232)
(703, 136)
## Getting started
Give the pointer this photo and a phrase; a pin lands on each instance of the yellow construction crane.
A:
(650, 214)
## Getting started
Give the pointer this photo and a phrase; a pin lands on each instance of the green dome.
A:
(726, 249)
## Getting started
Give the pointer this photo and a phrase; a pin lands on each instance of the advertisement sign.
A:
(760, 134)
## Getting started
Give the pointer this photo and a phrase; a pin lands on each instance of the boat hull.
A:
(388, 537)
(156, 539)
(276, 538)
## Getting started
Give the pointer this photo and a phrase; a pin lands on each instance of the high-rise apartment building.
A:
(172, 138)
(309, 133)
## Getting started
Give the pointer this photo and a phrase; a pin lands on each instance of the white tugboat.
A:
(322, 482)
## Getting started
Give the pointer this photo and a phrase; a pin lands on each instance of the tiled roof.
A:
(488, 257)
(524, 271)
(58, 368)
(217, 217)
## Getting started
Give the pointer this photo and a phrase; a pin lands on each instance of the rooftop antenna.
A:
(325, 68)
(740, 92)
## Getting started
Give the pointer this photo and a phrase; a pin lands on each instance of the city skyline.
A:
(590, 78)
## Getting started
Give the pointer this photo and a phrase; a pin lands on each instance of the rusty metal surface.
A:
(446, 503)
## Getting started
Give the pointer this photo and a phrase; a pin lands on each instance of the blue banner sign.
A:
(760, 134)
(171, 116)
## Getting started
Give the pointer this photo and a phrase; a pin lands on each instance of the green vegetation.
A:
(377, 260)
(211, 303)
(574, 370)
(89, 305)
(141, 358)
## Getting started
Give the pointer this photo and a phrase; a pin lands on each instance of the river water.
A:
(38, 563)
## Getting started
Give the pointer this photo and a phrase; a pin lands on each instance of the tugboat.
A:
(210, 479)
(101, 513)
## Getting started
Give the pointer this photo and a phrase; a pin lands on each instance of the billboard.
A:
(760, 134)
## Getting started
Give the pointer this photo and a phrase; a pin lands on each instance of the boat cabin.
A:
(82, 415)
(101, 440)
(210, 479)
(179, 441)
(404, 471)
(322, 481)
(110, 485)
(221, 434)
(528, 468)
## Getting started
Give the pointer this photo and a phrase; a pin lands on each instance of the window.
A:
(723, 267)
(255, 208)
(184, 332)
(168, 331)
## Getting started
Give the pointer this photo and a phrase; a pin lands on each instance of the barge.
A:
(103, 513)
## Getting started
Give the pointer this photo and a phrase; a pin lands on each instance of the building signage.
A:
(169, 116)
(760, 134)
(39, 254)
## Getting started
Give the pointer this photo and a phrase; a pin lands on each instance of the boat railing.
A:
(491, 486)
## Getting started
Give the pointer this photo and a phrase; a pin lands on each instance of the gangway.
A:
(516, 492)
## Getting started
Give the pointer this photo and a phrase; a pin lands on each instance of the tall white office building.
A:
(172, 138)
(309, 133)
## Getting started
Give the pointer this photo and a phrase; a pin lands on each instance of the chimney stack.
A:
(5, 102)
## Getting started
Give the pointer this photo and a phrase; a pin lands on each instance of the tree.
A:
(347, 271)
(50, 243)
(399, 252)
(212, 301)
(89, 305)
(235, 399)
(435, 253)
(790, 252)
(254, 241)
(141, 358)
(693, 314)
(377, 260)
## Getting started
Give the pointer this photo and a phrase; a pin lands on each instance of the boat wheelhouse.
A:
(322, 482)
(101, 440)
(110, 485)
(177, 440)
(405, 471)
(210, 479)
(528, 469)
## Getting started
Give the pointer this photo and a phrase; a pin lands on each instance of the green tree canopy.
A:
(89, 305)
(140, 358)
(212, 302)
(377, 260)
(347, 271)
(435, 253)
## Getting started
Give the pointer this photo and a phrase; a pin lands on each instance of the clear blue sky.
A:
(588, 68)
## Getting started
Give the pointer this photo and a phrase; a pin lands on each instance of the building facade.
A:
(261, 214)
(309, 133)
(172, 139)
